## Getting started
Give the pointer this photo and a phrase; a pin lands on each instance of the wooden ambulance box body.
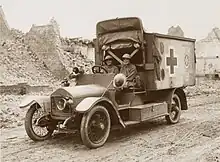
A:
(173, 59)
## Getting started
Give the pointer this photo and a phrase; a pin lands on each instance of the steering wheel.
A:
(99, 69)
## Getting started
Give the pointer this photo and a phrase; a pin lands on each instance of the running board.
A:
(123, 107)
(127, 123)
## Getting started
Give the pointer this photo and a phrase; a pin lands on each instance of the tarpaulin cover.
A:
(121, 24)
(134, 36)
(121, 45)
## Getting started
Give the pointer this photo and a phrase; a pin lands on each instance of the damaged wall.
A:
(85, 49)
(209, 46)
(208, 53)
(59, 55)
(45, 41)
(37, 57)
(78, 45)
(176, 31)
(4, 27)
(207, 65)
(18, 64)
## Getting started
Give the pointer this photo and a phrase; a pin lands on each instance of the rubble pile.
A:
(71, 60)
(10, 114)
(20, 64)
(50, 48)
(204, 86)
(71, 51)
(73, 56)
(38, 57)
(69, 44)
(20, 61)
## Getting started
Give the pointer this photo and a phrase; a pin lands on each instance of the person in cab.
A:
(129, 70)
(109, 65)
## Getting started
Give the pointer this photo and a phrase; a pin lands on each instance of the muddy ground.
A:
(195, 138)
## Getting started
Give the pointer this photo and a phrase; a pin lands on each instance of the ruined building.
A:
(176, 31)
(78, 45)
(209, 46)
(208, 53)
(44, 40)
(38, 57)
(4, 27)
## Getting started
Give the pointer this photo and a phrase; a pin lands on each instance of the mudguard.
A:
(180, 92)
(86, 104)
(43, 101)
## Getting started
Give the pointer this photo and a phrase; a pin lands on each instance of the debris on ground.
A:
(203, 86)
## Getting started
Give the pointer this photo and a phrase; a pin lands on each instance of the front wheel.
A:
(95, 127)
(35, 132)
(175, 110)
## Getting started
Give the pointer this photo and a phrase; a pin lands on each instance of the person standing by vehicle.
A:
(75, 73)
(129, 70)
(109, 66)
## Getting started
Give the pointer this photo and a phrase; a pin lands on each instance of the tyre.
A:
(36, 133)
(175, 110)
(95, 127)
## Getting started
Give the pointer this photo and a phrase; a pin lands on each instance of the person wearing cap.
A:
(109, 66)
(128, 69)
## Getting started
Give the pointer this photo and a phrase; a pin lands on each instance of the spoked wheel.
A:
(175, 110)
(34, 131)
(95, 127)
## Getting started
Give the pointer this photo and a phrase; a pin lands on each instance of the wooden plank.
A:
(147, 105)
(134, 52)
(127, 123)
(115, 57)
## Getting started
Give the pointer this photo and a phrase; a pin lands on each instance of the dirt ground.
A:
(195, 138)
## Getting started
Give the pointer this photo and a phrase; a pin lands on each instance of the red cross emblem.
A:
(171, 61)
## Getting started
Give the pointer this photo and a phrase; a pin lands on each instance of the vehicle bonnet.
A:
(80, 91)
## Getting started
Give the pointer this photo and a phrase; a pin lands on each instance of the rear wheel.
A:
(95, 127)
(36, 132)
(175, 110)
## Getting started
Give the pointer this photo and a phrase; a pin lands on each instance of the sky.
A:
(78, 18)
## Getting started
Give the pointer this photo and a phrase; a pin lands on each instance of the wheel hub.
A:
(102, 126)
(38, 123)
(98, 125)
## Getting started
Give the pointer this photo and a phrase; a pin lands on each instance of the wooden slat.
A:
(127, 123)
(134, 52)
(115, 57)
(146, 105)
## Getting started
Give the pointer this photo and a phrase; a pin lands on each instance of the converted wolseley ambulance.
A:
(99, 101)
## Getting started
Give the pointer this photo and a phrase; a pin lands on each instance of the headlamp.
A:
(61, 104)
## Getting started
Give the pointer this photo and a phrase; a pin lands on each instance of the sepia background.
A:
(40, 43)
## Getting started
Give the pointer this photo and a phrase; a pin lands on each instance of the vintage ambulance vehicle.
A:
(96, 104)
